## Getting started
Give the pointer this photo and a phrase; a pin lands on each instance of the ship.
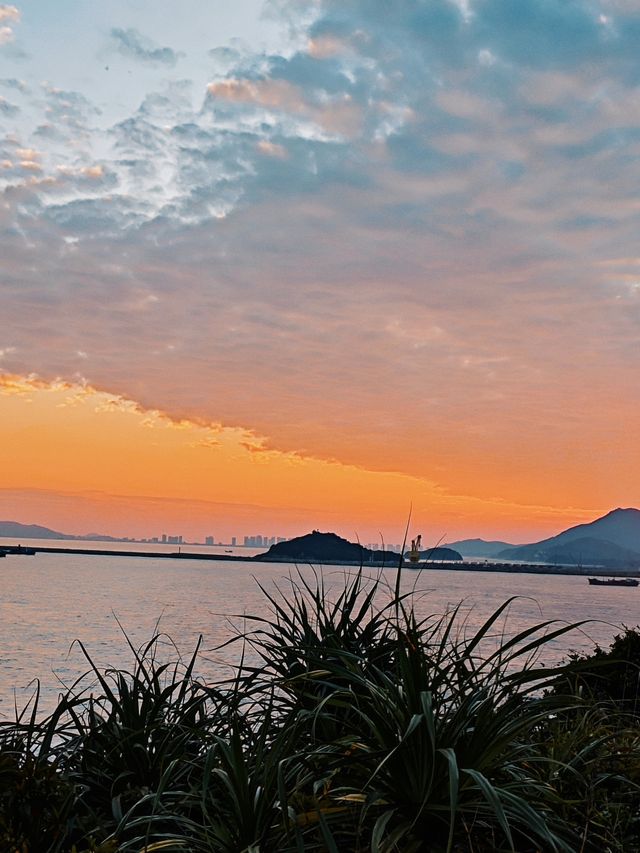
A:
(613, 582)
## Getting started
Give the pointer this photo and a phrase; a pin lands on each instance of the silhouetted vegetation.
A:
(611, 677)
(349, 725)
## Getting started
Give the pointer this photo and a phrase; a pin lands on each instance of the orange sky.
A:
(81, 461)
(321, 265)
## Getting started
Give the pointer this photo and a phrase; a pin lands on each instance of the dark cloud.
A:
(7, 108)
(14, 83)
(226, 56)
(134, 45)
(13, 51)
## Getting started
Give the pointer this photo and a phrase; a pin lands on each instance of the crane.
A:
(414, 553)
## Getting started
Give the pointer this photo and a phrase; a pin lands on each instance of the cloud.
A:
(398, 242)
(227, 56)
(14, 83)
(134, 45)
(8, 108)
(9, 14)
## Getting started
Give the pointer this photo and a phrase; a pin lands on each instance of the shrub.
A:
(611, 676)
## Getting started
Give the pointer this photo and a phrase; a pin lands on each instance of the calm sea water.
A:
(49, 600)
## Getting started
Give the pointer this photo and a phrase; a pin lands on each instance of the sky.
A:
(269, 267)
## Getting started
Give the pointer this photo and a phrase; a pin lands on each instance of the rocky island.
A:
(317, 547)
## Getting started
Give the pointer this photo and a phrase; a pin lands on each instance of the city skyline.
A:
(319, 265)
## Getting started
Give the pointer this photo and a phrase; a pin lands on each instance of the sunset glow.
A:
(95, 461)
(319, 265)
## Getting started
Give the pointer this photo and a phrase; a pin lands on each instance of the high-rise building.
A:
(233, 541)
(209, 540)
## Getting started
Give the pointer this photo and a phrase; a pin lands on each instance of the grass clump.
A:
(349, 726)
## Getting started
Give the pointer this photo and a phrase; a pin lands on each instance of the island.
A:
(317, 547)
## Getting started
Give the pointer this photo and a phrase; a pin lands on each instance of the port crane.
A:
(414, 552)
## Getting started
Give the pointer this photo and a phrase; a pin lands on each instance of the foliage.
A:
(610, 676)
(598, 746)
(592, 759)
(362, 728)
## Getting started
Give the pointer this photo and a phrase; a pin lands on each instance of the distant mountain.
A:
(612, 540)
(590, 550)
(319, 547)
(479, 547)
(12, 529)
(99, 537)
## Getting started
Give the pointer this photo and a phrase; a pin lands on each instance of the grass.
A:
(359, 728)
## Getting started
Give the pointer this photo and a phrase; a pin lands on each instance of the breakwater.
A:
(467, 566)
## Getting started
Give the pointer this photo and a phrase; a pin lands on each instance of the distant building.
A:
(233, 541)
(209, 540)
(164, 537)
(260, 541)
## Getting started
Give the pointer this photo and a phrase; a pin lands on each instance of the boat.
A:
(614, 582)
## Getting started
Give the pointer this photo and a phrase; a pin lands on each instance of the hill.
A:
(13, 529)
(317, 547)
(613, 539)
(479, 547)
(590, 550)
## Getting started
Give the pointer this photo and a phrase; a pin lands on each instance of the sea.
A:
(49, 602)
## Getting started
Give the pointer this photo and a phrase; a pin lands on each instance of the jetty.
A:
(426, 566)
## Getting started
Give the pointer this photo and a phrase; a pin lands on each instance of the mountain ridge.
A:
(31, 531)
(612, 539)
